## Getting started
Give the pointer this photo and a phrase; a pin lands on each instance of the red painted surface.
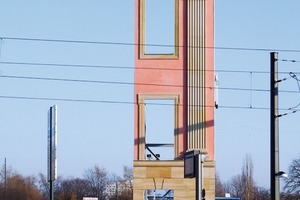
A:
(210, 78)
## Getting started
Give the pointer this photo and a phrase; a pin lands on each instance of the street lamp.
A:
(281, 174)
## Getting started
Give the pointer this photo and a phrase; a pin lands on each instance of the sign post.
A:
(193, 167)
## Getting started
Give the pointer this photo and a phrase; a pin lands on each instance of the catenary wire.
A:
(126, 67)
(135, 44)
(130, 83)
(128, 102)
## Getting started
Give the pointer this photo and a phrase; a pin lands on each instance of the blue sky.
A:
(102, 133)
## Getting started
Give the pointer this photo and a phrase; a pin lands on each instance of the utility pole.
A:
(274, 126)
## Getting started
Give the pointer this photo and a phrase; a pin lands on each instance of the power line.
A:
(126, 67)
(134, 44)
(127, 102)
(64, 99)
(66, 65)
(130, 83)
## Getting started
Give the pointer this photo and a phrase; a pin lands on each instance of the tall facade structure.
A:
(174, 96)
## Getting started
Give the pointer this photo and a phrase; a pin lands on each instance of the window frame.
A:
(142, 34)
(141, 121)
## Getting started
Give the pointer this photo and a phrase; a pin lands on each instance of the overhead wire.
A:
(294, 76)
(129, 67)
(131, 83)
(135, 44)
(126, 102)
(126, 67)
(140, 83)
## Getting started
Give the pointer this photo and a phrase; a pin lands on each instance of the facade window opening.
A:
(158, 33)
(159, 129)
(159, 195)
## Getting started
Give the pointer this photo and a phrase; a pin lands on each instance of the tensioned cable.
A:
(134, 44)
(130, 83)
(126, 102)
(294, 76)
(128, 67)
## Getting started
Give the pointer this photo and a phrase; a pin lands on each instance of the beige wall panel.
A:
(209, 184)
(142, 184)
(138, 194)
(169, 175)
(179, 184)
(161, 172)
(160, 163)
(177, 172)
(208, 172)
(184, 195)
(139, 172)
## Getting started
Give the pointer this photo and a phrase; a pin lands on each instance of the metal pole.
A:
(274, 133)
(5, 178)
(51, 163)
(199, 177)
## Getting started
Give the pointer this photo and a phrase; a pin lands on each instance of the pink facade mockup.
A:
(168, 72)
(186, 77)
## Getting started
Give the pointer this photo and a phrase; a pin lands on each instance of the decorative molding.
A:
(196, 135)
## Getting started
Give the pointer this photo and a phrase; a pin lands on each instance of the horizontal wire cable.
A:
(130, 83)
(128, 102)
(134, 44)
(128, 67)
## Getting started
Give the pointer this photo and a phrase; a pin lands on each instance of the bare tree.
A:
(19, 187)
(242, 185)
(72, 188)
(292, 183)
(247, 178)
(44, 185)
(235, 186)
(97, 180)
(219, 187)
(261, 193)
(114, 187)
(127, 192)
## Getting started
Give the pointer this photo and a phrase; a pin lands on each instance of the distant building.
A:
(118, 187)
